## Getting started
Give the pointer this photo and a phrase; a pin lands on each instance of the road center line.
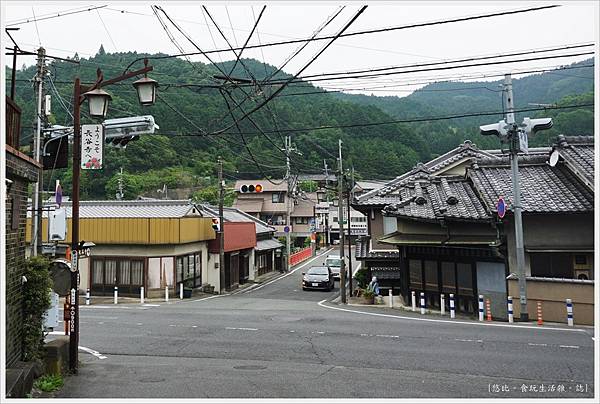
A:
(431, 320)
(532, 344)
(569, 346)
(241, 328)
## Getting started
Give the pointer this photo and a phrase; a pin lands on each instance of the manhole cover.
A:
(250, 367)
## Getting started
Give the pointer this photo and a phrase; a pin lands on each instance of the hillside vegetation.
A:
(181, 155)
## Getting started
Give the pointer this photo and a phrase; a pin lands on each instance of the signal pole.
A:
(341, 223)
(514, 166)
(221, 228)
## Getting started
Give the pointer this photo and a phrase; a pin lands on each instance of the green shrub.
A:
(361, 278)
(49, 383)
(368, 293)
(36, 300)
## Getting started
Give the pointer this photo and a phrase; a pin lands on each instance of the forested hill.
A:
(566, 87)
(191, 108)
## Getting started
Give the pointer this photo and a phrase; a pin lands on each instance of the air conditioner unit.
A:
(584, 274)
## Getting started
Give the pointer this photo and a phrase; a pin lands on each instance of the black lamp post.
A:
(98, 100)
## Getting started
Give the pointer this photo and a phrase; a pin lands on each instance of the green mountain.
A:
(191, 107)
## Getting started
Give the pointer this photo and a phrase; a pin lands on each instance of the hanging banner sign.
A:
(92, 147)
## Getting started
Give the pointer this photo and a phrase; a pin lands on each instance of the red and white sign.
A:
(92, 147)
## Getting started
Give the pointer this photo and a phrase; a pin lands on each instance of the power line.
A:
(60, 14)
(274, 94)
(377, 30)
(410, 120)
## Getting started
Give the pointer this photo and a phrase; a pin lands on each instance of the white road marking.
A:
(206, 298)
(532, 344)
(292, 331)
(194, 326)
(387, 336)
(431, 320)
(151, 305)
(93, 352)
(569, 346)
(241, 328)
(289, 273)
(463, 340)
(319, 332)
(139, 324)
(101, 322)
(171, 325)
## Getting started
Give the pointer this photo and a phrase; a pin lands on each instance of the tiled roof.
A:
(578, 153)
(133, 209)
(544, 189)
(385, 194)
(362, 250)
(438, 198)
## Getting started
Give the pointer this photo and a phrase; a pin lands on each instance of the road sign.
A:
(286, 229)
(74, 261)
(501, 207)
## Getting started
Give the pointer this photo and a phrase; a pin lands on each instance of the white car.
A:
(334, 262)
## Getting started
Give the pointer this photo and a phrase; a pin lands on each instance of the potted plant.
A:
(367, 297)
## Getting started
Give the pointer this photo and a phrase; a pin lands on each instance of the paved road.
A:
(279, 341)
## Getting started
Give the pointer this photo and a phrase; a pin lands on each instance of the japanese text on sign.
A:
(92, 142)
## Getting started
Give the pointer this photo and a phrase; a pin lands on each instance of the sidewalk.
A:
(406, 311)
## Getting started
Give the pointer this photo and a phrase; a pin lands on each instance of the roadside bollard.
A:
(452, 310)
(488, 309)
(511, 317)
(540, 321)
(166, 293)
(480, 307)
(391, 295)
(87, 297)
(422, 302)
(414, 301)
(181, 291)
(116, 294)
(442, 305)
(141, 295)
(570, 312)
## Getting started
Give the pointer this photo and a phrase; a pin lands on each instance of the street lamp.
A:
(98, 100)
(146, 89)
(98, 106)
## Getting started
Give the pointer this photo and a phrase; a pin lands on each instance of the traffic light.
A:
(499, 129)
(531, 126)
(119, 132)
(251, 188)
(215, 224)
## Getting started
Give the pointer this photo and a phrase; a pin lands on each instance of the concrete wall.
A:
(491, 283)
(213, 276)
(553, 292)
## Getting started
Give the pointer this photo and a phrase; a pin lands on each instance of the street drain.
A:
(250, 367)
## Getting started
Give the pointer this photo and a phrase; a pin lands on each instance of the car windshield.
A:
(318, 271)
(333, 262)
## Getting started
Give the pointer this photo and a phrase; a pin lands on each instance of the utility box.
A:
(57, 225)
(51, 315)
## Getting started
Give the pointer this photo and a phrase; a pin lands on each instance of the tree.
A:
(101, 51)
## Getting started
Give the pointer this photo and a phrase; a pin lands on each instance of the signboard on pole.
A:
(74, 258)
(501, 207)
(92, 147)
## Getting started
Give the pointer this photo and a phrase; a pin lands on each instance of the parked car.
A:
(334, 262)
(318, 277)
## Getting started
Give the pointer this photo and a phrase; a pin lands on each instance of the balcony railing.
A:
(13, 123)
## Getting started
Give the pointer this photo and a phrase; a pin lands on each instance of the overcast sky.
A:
(132, 26)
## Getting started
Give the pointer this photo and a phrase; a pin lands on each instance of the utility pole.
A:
(37, 147)
(328, 241)
(288, 150)
(221, 227)
(514, 167)
(517, 137)
(341, 223)
(350, 186)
